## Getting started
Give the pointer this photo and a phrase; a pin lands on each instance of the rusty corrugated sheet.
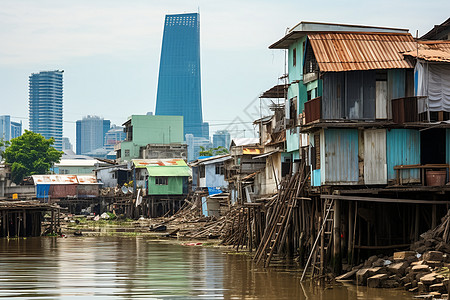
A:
(63, 191)
(87, 179)
(55, 179)
(438, 51)
(337, 52)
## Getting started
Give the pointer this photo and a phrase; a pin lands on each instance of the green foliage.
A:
(3, 144)
(30, 154)
(213, 151)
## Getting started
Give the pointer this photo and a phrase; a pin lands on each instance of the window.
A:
(219, 169)
(294, 57)
(201, 171)
(161, 181)
(63, 171)
(127, 152)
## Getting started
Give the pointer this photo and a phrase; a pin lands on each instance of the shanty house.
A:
(65, 186)
(210, 172)
(348, 86)
(161, 176)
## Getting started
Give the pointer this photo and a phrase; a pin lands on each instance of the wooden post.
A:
(350, 233)
(337, 258)
(24, 223)
(433, 216)
(416, 225)
(51, 221)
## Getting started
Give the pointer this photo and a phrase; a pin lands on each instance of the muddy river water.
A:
(140, 268)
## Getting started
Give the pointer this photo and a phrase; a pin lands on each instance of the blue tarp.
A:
(214, 191)
(42, 190)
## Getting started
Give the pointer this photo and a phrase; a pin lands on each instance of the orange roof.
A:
(337, 52)
(438, 51)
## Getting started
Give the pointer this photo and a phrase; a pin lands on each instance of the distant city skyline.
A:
(111, 63)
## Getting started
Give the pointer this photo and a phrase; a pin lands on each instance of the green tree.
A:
(213, 151)
(30, 154)
(3, 144)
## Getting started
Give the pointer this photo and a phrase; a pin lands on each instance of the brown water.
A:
(138, 268)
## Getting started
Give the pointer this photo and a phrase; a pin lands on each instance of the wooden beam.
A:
(383, 200)
(382, 247)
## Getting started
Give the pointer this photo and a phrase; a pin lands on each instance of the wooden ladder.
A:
(322, 242)
(275, 234)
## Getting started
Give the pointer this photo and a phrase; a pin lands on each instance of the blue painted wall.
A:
(403, 148)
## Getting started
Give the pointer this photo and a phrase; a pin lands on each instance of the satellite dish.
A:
(124, 189)
(130, 189)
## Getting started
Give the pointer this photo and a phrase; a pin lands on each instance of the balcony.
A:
(313, 110)
(404, 110)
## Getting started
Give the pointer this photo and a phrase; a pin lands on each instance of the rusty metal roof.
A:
(337, 52)
(278, 91)
(436, 51)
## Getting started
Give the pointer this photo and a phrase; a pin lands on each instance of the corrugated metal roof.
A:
(55, 179)
(87, 179)
(244, 141)
(438, 51)
(304, 28)
(168, 162)
(337, 52)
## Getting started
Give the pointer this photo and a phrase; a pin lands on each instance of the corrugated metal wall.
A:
(396, 87)
(333, 96)
(350, 95)
(341, 157)
(375, 168)
(403, 148)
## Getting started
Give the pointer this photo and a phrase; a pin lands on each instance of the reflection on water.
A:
(136, 268)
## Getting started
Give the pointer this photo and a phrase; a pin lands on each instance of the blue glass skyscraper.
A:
(90, 132)
(46, 105)
(179, 86)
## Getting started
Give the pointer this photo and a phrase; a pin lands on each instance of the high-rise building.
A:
(9, 129)
(114, 136)
(221, 139)
(46, 105)
(67, 145)
(91, 131)
(179, 82)
(194, 146)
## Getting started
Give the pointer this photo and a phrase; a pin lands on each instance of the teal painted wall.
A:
(132, 148)
(292, 139)
(157, 129)
(152, 130)
(403, 148)
(174, 186)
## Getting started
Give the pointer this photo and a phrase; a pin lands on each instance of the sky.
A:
(110, 50)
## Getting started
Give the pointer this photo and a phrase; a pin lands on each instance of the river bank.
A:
(398, 272)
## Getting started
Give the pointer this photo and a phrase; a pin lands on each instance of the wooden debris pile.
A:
(435, 239)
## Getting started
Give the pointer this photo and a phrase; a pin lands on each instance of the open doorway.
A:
(432, 146)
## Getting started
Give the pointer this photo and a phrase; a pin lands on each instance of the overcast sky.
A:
(109, 50)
